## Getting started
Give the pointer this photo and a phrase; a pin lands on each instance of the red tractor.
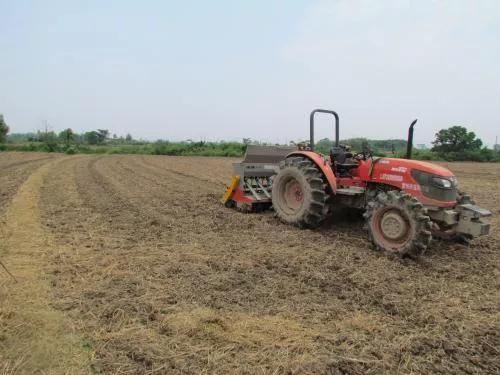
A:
(405, 201)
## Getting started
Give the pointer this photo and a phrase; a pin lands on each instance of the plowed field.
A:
(130, 264)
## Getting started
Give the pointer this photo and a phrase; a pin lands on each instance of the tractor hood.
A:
(417, 178)
(409, 165)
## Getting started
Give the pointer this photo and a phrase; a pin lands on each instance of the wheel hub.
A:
(393, 225)
(294, 195)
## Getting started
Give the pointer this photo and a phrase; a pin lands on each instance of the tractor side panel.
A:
(322, 164)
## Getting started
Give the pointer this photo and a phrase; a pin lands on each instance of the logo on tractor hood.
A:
(399, 169)
(408, 186)
(391, 177)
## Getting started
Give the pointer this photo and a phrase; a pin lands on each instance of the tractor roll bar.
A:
(311, 122)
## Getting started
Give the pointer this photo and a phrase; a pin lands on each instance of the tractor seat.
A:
(343, 157)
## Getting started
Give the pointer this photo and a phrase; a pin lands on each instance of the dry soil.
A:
(148, 273)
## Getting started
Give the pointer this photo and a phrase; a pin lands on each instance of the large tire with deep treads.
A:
(298, 193)
(398, 223)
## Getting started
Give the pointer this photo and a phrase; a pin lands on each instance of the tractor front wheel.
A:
(398, 223)
(298, 193)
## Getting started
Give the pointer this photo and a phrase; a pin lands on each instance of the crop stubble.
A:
(159, 277)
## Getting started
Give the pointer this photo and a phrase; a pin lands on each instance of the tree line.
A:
(101, 141)
(452, 144)
(68, 136)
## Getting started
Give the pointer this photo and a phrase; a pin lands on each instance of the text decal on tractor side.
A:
(406, 202)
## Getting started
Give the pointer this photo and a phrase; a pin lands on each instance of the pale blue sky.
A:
(234, 69)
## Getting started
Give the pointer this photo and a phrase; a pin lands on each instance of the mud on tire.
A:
(298, 193)
(398, 223)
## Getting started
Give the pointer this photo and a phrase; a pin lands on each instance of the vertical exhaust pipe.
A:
(409, 146)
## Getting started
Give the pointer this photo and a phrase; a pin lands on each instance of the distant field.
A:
(135, 256)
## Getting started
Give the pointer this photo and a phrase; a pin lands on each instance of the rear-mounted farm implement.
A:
(405, 201)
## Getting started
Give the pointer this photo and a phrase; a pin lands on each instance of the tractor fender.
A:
(322, 164)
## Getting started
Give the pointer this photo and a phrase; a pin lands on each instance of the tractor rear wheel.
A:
(398, 223)
(298, 193)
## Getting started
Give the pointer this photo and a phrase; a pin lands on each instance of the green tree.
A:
(67, 136)
(456, 139)
(128, 137)
(92, 138)
(96, 137)
(4, 130)
(49, 140)
(323, 145)
(103, 134)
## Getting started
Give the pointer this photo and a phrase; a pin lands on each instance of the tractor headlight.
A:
(436, 187)
(442, 182)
